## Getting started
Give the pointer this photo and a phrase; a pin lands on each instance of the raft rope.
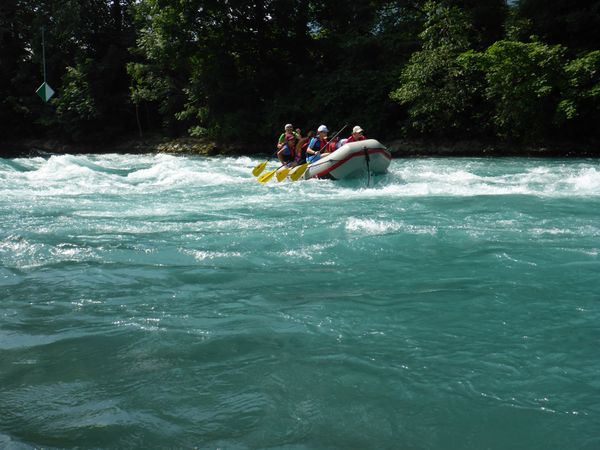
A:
(368, 161)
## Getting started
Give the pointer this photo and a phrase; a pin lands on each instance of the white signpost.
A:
(44, 91)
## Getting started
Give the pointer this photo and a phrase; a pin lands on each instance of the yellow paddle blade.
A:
(258, 169)
(266, 177)
(299, 172)
(282, 174)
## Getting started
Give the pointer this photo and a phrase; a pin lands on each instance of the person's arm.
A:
(281, 141)
(280, 155)
(310, 150)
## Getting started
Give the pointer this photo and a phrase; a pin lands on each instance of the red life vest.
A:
(351, 139)
(300, 156)
(291, 141)
(333, 145)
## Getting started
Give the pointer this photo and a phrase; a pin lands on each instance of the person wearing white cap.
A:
(317, 145)
(357, 135)
(287, 144)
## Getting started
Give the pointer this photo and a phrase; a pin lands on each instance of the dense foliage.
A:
(235, 70)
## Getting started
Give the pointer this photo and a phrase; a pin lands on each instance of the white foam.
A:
(586, 181)
(308, 252)
(202, 255)
(373, 227)
(20, 252)
(76, 175)
(441, 177)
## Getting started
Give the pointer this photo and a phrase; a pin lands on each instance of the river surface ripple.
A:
(154, 301)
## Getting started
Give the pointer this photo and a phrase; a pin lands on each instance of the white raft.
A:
(351, 161)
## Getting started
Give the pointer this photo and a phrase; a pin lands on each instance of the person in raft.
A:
(300, 156)
(317, 146)
(357, 135)
(287, 144)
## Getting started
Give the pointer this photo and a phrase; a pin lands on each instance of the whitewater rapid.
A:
(159, 301)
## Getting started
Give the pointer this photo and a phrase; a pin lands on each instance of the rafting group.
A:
(296, 152)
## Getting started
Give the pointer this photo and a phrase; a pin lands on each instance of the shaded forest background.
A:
(236, 71)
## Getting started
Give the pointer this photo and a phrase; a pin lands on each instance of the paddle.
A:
(282, 175)
(299, 172)
(259, 169)
(267, 176)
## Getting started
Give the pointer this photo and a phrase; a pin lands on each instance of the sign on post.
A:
(45, 91)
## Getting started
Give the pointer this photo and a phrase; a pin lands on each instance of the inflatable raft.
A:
(351, 161)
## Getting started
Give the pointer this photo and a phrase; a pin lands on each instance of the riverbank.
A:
(400, 148)
(479, 148)
(147, 144)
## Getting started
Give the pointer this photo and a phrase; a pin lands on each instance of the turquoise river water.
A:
(154, 301)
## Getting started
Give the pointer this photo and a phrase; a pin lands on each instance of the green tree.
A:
(357, 53)
(232, 70)
(440, 87)
(75, 31)
(219, 61)
(579, 110)
(18, 71)
(524, 81)
(76, 111)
